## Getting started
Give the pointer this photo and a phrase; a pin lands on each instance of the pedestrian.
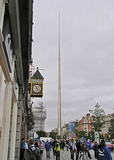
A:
(88, 144)
(48, 148)
(62, 144)
(78, 148)
(36, 143)
(84, 151)
(95, 148)
(103, 151)
(67, 144)
(26, 144)
(41, 147)
(53, 146)
(72, 148)
(57, 150)
(32, 152)
(22, 149)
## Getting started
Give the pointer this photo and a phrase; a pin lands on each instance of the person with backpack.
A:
(84, 150)
(103, 151)
(32, 153)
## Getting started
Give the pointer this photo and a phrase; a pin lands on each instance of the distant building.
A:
(107, 124)
(85, 124)
(39, 117)
(54, 130)
(64, 129)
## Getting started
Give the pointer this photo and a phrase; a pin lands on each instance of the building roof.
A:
(37, 75)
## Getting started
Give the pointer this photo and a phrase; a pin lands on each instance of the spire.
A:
(59, 84)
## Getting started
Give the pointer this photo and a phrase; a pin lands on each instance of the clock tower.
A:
(36, 84)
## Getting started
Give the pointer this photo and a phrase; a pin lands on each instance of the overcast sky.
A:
(87, 56)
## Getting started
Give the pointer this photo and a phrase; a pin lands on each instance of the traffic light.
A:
(64, 137)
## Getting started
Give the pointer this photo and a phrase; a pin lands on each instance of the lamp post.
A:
(41, 107)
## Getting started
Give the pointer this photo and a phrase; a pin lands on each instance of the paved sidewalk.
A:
(65, 155)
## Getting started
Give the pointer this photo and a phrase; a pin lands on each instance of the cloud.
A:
(87, 54)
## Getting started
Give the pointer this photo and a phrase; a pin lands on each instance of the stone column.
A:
(6, 121)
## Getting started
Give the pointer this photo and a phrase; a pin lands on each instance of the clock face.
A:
(36, 88)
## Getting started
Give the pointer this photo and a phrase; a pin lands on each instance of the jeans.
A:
(85, 156)
(72, 154)
(47, 153)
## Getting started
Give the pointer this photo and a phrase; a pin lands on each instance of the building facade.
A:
(85, 124)
(39, 117)
(15, 54)
(106, 126)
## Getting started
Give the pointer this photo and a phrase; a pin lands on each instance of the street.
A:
(65, 155)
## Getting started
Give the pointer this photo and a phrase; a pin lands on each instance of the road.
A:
(65, 155)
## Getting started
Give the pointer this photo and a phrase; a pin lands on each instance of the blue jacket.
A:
(47, 145)
(107, 153)
(88, 144)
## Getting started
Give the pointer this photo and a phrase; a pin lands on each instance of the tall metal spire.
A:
(59, 84)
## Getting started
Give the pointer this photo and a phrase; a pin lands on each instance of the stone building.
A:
(39, 117)
(15, 55)
(107, 125)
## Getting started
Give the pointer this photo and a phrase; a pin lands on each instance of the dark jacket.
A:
(96, 151)
(78, 146)
(32, 153)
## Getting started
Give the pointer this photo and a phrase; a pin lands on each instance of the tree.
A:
(98, 116)
(91, 135)
(75, 128)
(41, 133)
(81, 134)
(111, 128)
(53, 135)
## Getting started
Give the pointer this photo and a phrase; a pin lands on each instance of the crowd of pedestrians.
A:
(78, 150)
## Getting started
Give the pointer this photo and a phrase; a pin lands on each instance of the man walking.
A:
(48, 148)
(73, 148)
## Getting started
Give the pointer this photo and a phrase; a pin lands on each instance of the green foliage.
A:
(64, 137)
(101, 136)
(41, 133)
(98, 116)
(81, 134)
(58, 137)
(53, 135)
(91, 135)
(111, 128)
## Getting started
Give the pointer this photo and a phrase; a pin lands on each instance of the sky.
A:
(87, 56)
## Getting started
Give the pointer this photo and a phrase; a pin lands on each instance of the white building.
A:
(107, 124)
(39, 117)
